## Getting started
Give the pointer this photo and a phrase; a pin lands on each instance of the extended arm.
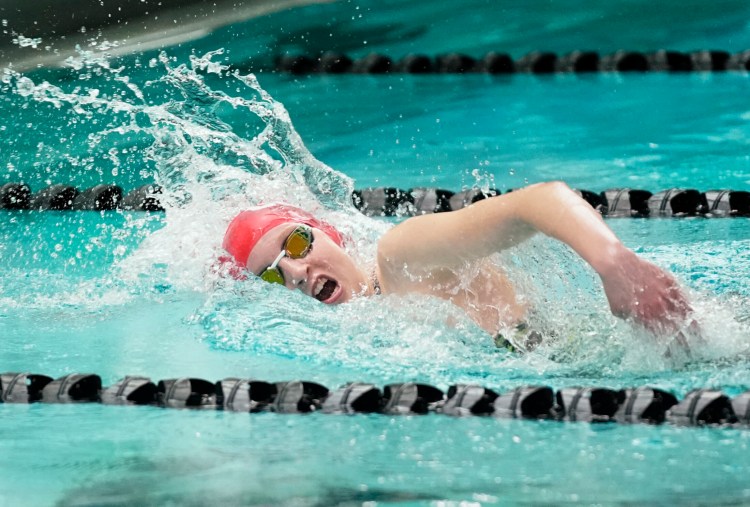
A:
(427, 248)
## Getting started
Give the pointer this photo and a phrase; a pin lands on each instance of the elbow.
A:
(558, 191)
(550, 187)
(556, 186)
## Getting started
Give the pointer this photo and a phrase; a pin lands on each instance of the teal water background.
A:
(128, 293)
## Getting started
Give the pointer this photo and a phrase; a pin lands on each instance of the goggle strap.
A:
(277, 260)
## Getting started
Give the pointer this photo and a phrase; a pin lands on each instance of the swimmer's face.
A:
(326, 273)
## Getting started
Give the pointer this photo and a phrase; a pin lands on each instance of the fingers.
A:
(659, 311)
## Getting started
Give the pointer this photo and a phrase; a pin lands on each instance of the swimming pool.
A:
(131, 293)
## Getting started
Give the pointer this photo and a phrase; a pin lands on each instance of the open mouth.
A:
(324, 289)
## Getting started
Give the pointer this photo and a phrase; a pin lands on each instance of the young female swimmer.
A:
(427, 254)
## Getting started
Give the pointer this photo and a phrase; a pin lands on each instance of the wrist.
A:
(613, 259)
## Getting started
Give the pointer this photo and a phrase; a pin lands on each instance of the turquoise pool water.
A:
(130, 293)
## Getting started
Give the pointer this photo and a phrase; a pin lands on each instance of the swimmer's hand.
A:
(639, 291)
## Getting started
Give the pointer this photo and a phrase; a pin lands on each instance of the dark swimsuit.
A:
(522, 338)
(375, 283)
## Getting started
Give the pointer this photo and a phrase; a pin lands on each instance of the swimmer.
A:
(427, 253)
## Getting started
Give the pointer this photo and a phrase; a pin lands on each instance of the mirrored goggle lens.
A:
(298, 243)
(272, 275)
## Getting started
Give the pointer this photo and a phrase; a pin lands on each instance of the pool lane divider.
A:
(391, 201)
(615, 202)
(700, 407)
(60, 197)
(498, 63)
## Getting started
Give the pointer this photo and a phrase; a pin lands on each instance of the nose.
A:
(295, 272)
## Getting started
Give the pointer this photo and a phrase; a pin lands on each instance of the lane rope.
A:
(391, 201)
(700, 407)
(498, 63)
(60, 197)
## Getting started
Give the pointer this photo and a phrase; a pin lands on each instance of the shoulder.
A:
(408, 261)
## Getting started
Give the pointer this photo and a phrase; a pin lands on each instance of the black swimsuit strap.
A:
(375, 282)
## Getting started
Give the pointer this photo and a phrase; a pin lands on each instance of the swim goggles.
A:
(297, 245)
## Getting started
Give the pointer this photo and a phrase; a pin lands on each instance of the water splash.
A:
(27, 42)
(213, 152)
(181, 115)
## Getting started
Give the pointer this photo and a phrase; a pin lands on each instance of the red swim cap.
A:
(246, 229)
